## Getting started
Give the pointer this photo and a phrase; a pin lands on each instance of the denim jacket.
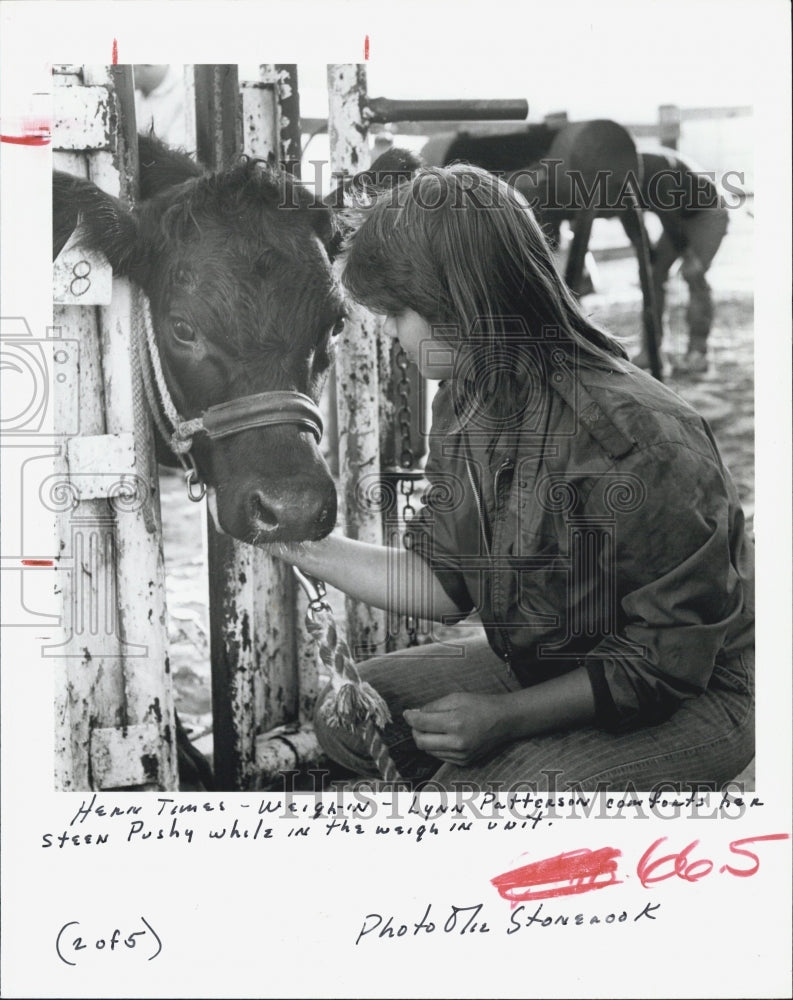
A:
(599, 527)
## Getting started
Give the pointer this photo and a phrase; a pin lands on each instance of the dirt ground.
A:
(724, 396)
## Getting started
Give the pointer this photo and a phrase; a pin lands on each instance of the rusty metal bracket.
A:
(98, 463)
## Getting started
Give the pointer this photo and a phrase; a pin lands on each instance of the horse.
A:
(563, 170)
(571, 172)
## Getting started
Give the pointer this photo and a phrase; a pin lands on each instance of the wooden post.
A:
(669, 125)
(114, 700)
(358, 377)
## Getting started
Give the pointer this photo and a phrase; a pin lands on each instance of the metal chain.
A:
(406, 457)
(406, 461)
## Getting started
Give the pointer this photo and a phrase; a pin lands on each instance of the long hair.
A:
(463, 250)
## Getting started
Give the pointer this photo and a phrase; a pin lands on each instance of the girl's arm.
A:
(391, 578)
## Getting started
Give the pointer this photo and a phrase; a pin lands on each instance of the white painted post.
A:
(260, 119)
(114, 701)
(88, 678)
(140, 567)
(357, 368)
(189, 109)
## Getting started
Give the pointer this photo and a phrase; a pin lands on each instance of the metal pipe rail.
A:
(379, 110)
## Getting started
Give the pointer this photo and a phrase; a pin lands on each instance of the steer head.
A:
(238, 272)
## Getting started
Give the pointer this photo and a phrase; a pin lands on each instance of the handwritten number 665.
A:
(651, 869)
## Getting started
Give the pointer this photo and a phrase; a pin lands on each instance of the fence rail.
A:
(667, 126)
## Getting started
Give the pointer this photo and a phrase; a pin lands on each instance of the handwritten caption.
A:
(528, 888)
(71, 941)
(98, 820)
(459, 921)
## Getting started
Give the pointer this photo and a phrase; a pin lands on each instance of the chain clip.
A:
(196, 487)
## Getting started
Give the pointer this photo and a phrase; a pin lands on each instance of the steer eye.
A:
(183, 331)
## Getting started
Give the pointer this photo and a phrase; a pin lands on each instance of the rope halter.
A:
(352, 703)
(262, 409)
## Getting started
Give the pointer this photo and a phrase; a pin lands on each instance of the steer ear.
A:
(388, 170)
(162, 167)
(101, 222)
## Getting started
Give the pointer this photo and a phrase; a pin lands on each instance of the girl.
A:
(577, 505)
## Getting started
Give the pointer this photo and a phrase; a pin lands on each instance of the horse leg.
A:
(574, 272)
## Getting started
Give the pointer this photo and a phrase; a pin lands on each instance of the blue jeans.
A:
(704, 232)
(707, 741)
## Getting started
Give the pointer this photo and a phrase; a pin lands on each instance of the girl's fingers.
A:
(436, 742)
(427, 721)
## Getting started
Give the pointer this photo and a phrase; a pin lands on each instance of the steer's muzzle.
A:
(260, 507)
(272, 484)
(291, 511)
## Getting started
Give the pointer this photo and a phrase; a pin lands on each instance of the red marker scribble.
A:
(564, 875)
(114, 57)
(30, 132)
(37, 562)
(366, 47)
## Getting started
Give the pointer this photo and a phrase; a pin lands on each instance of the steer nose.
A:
(261, 512)
(296, 513)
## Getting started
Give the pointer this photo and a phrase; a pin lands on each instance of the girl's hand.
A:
(459, 727)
